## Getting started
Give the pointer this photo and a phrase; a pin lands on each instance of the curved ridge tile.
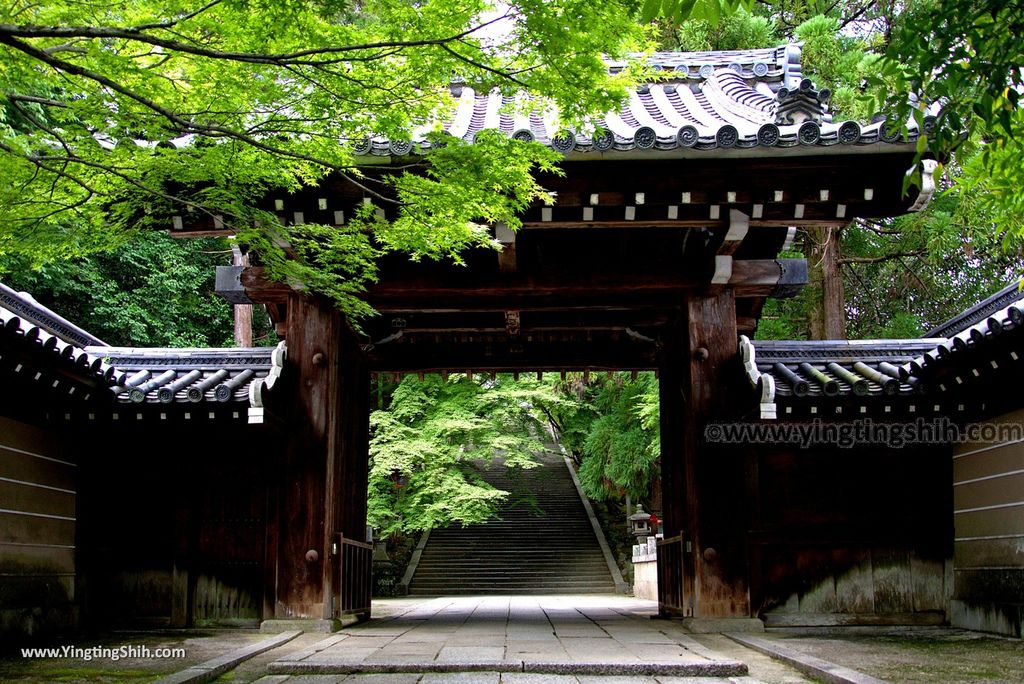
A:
(698, 110)
(644, 118)
(707, 106)
(727, 91)
(675, 100)
(492, 112)
(671, 108)
(460, 123)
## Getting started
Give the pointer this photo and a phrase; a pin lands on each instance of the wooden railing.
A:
(671, 594)
(353, 578)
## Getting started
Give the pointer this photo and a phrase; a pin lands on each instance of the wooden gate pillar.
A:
(701, 483)
(324, 469)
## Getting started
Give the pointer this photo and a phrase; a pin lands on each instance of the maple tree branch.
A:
(29, 31)
(168, 23)
(180, 123)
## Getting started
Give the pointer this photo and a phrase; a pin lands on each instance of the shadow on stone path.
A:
(514, 635)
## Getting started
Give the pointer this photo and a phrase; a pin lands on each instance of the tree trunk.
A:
(243, 312)
(828, 300)
(656, 493)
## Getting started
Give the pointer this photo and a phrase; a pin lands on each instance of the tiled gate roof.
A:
(703, 101)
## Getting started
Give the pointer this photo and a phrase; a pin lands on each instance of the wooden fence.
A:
(671, 595)
(353, 578)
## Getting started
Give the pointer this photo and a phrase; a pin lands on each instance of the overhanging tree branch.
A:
(138, 35)
(270, 96)
(183, 125)
(883, 257)
(168, 23)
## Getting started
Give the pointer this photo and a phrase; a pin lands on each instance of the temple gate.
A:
(660, 250)
(658, 254)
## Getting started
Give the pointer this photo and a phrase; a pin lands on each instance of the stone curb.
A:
(414, 562)
(287, 625)
(215, 667)
(816, 667)
(721, 668)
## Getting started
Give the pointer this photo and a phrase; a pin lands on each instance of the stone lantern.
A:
(639, 523)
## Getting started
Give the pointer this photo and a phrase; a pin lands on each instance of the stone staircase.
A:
(541, 543)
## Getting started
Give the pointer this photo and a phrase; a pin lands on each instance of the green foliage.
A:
(903, 276)
(573, 418)
(906, 275)
(153, 290)
(902, 325)
(822, 49)
(338, 261)
(614, 431)
(786, 319)
(709, 11)
(461, 182)
(920, 270)
(989, 186)
(740, 31)
(264, 97)
(962, 59)
(837, 62)
(435, 434)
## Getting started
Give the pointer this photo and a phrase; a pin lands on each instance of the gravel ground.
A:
(927, 655)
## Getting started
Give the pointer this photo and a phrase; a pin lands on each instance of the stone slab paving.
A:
(512, 639)
(493, 678)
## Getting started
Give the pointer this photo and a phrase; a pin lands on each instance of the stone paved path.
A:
(494, 678)
(511, 639)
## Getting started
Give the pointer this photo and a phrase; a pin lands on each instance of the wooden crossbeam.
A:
(748, 278)
(429, 358)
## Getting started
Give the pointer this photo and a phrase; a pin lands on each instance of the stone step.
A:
(552, 537)
(462, 590)
(504, 571)
(486, 555)
(498, 580)
(503, 561)
(567, 560)
(477, 586)
(542, 542)
(547, 527)
(469, 550)
(539, 528)
(508, 545)
(509, 570)
(563, 556)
